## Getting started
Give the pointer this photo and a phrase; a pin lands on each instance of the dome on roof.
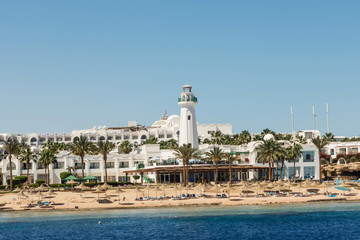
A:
(159, 123)
(269, 137)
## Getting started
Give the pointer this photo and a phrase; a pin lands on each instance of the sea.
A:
(302, 221)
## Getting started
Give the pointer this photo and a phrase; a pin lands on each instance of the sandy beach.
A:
(150, 195)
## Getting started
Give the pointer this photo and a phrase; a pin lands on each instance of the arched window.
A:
(183, 98)
(13, 166)
(33, 140)
(143, 137)
(341, 161)
(76, 139)
(189, 117)
(102, 138)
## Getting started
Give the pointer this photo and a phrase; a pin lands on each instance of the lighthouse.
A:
(188, 126)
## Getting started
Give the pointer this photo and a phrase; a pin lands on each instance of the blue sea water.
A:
(306, 221)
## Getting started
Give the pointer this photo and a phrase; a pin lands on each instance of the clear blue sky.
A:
(68, 65)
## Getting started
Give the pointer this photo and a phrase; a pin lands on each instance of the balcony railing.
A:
(192, 99)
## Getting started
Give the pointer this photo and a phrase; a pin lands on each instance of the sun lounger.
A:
(183, 196)
(152, 198)
(332, 195)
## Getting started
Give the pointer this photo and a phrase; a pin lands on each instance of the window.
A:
(169, 136)
(291, 172)
(308, 156)
(354, 150)
(161, 136)
(135, 137)
(109, 138)
(59, 165)
(151, 136)
(111, 178)
(41, 176)
(59, 139)
(309, 172)
(124, 165)
(122, 179)
(342, 151)
(118, 137)
(332, 152)
(102, 138)
(92, 138)
(308, 135)
(210, 132)
(98, 178)
(40, 166)
(189, 117)
(78, 165)
(126, 137)
(23, 166)
(94, 165)
(110, 165)
(42, 139)
(13, 166)
(67, 139)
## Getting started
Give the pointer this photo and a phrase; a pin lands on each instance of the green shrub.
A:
(114, 184)
(18, 181)
(56, 185)
(91, 184)
(34, 185)
(64, 175)
(40, 181)
(2, 187)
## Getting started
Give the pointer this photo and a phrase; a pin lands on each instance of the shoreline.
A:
(190, 205)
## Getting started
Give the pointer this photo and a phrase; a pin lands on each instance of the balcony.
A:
(191, 99)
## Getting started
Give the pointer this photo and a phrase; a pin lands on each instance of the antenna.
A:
(314, 117)
(327, 115)
(292, 121)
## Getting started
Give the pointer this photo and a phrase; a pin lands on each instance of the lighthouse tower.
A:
(188, 127)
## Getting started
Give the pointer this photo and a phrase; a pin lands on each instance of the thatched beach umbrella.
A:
(51, 192)
(98, 190)
(119, 191)
(82, 187)
(106, 186)
(163, 188)
(72, 182)
(39, 194)
(137, 190)
(21, 194)
(17, 189)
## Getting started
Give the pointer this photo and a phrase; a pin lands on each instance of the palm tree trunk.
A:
(48, 167)
(277, 169)
(230, 173)
(45, 175)
(216, 172)
(11, 182)
(319, 167)
(294, 167)
(187, 172)
(105, 160)
(269, 172)
(282, 166)
(82, 166)
(184, 172)
(27, 172)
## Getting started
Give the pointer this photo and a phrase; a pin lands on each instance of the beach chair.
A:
(152, 198)
(183, 196)
(141, 199)
(145, 198)
(47, 203)
(161, 198)
(223, 195)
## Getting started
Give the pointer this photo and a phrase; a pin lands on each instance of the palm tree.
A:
(13, 148)
(217, 137)
(230, 158)
(186, 152)
(293, 152)
(47, 157)
(125, 147)
(267, 151)
(104, 148)
(215, 155)
(80, 147)
(330, 137)
(26, 155)
(320, 143)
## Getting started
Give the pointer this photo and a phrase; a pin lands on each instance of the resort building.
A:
(154, 164)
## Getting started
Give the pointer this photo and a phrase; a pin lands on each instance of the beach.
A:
(154, 197)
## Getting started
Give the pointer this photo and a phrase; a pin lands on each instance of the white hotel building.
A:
(183, 128)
